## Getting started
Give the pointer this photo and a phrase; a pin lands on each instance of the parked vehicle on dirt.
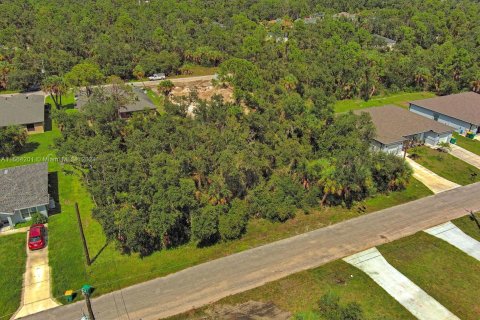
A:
(157, 76)
(36, 237)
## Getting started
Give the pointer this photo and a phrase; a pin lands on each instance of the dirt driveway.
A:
(430, 179)
(465, 155)
(36, 284)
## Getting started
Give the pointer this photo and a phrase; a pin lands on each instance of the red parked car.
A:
(36, 237)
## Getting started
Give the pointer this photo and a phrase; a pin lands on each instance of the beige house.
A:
(23, 109)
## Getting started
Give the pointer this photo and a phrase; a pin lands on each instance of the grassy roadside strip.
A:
(446, 165)
(468, 226)
(13, 257)
(471, 145)
(443, 271)
(300, 292)
(399, 99)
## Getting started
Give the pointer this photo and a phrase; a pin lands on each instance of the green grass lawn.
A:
(446, 165)
(112, 270)
(443, 271)
(197, 71)
(471, 145)
(12, 267)
(68, 100)
(156, 99)
(398, 99)
(469, 226)
(300, 292)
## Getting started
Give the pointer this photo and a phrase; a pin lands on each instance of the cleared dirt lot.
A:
(202, 85)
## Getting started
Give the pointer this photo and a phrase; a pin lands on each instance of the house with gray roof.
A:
(384, 42)
(394, 126)
(141, 102)
(460, 111)
(23, 192)
(23, 109)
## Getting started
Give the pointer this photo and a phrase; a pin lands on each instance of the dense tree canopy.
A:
(437, 41)
(12, 140)
(278, 149)
(162, 180)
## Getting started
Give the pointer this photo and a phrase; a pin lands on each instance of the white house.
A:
(23, 191)
(460, 111)
(394, 126)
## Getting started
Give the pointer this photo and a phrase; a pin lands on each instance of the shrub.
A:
(233, 224)
(330, 308)
(38, 218)
(205, 223)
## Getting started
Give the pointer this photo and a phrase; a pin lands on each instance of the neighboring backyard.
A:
(471, 145)
(112, 270)
(398, 99)
(13, 257)
(443, 271)
(445, 165)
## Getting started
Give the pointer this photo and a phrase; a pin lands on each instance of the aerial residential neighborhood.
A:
(275, 160)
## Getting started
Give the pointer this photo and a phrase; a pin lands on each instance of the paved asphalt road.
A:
(211, 281)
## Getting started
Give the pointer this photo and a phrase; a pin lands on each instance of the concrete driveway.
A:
(430, 179)
(402, 289)
(456, 237)
(465, 155)
(36, 294)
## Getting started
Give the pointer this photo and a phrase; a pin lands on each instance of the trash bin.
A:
(453, 140)
(69, 295)
(470, 135)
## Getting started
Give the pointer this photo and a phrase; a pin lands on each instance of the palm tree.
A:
(166, 87)
(56, 87)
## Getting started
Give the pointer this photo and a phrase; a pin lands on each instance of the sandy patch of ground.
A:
(204, 88)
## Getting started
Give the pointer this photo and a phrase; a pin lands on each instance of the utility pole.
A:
(82, 234)
(86, 293)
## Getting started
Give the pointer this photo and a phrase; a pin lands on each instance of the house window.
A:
(25, 214)
(30, 127)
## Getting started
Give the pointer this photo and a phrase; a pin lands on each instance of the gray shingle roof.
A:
(393, 123)
(23, 187)
(21, 109)
(463, 106)
(140, 103)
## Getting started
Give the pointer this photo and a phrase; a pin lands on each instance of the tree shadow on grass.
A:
(100, 251)
(28, 147)
(53, 192)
